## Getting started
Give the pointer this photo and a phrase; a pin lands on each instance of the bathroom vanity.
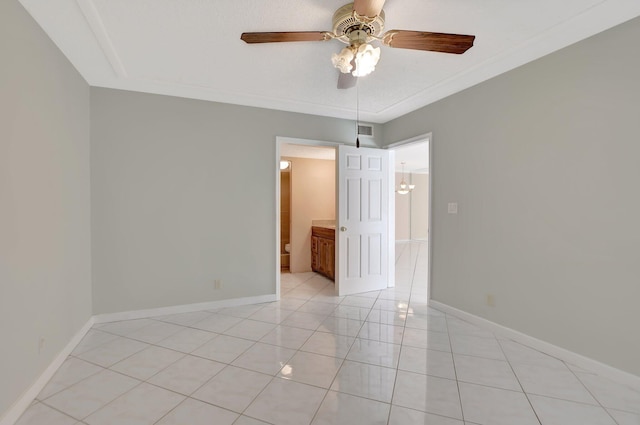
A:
(323, 250)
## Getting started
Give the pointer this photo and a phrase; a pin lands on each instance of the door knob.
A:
(343, 229)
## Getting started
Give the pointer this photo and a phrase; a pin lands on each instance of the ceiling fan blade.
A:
(430, 41)
(369, 8)
(346, 81)
(277, 37)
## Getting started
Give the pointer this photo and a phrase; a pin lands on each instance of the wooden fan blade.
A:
(346, 81)
(430, 41)
(369, 8)
(278, 37)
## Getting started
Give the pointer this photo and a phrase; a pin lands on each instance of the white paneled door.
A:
(362, 230)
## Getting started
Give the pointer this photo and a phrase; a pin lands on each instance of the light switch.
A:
(452, 208)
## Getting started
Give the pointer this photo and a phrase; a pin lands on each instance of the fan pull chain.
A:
(357, 117)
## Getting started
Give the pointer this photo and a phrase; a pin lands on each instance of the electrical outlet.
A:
(217, 284)
(491, 302)
(452, 208)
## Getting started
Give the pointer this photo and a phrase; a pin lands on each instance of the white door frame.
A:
(279, 142)
(426, 137)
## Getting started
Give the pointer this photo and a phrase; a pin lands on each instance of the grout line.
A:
(519, 383)
(590, 393)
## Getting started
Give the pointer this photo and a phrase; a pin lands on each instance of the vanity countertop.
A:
(326, 224)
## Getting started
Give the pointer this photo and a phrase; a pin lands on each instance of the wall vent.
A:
(365, 130)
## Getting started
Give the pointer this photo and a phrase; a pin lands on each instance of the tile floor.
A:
(312, 358)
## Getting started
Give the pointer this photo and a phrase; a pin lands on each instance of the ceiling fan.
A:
(357, 24)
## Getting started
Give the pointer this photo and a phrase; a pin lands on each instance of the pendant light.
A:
(404, 188)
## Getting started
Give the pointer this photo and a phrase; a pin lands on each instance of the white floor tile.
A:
(356, 301)
(404, 416)
(246, 420)
(611, 394)
(155, 332)
(351, 312)
(146, 363)
(339, 409)
(93, 339)
(89, 395)
(315, 307)
(391, 305)
(185, 319)
(287, 336)
(194, 412)
(341, 326)
(365, 380)
(304, 320)
(217, 323)
(124, 327)
(486, 405)
(233, 388)
(271, 315)
(264, 358)
(187, 374)
(187, 340)
(430, 323)
(552, 411)
(39, 414)
(312, 369)
(554, 382)
(72, 371)
(476, 346)
(625, 418)
(287, 304)
(250, 329)
(421, 338)
(380, 332)
(374, 352)
(143, 405)
(428, 394)
(460, 327)
(286, 403)
(387, 317)
(519, 354)
(242, 311)
(427, 362)
(113, 351)
(489, 372)
(223, 348)
(328, 344)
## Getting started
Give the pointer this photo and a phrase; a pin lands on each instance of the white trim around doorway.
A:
(426, 137)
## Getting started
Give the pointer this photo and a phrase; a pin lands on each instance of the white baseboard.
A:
(19, 407)
(579, 360)
(185, 308)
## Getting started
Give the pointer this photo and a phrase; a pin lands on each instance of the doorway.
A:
(312, 199)
(413, 160)
(363, 183)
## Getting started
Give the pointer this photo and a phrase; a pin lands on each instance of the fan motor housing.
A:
(345, 21)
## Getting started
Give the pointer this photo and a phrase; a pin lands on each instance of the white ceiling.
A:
(192, 48)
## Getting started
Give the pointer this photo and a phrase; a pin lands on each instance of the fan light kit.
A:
(358, 24)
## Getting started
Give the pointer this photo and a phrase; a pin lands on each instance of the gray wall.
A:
(183, 193)
(543, 162)
(45, 261)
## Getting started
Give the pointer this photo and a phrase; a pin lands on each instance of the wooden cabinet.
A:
(323, 251)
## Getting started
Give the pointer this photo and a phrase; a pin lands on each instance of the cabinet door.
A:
(331, 264)
(314, 253)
